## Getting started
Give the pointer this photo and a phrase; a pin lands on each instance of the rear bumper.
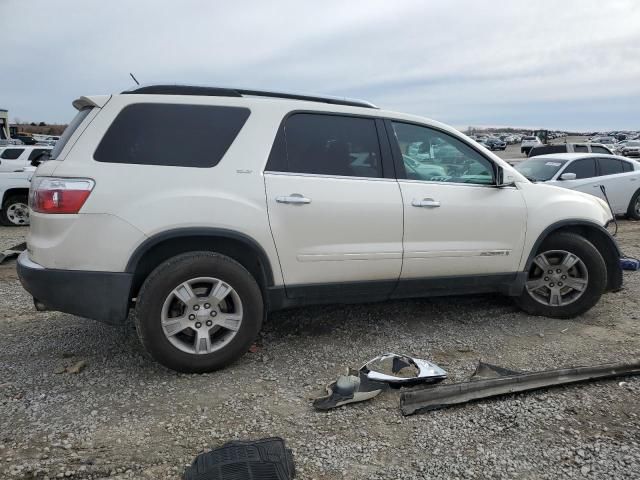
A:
(102, 296)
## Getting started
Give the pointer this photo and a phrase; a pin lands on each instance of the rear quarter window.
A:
(171, 135)
(12, 153)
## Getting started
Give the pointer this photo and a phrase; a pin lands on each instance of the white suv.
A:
(205, 208)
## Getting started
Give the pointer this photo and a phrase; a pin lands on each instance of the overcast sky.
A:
(555, 64)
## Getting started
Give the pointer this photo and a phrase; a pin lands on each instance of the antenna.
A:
(134, 78)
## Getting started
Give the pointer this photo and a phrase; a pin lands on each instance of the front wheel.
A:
(198, 312)
(567, 277)
(15, 211)
(634, 207)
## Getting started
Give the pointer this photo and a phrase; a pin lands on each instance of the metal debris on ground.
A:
(380, 373)
(13, 252)
(487, 385)
(266, 459)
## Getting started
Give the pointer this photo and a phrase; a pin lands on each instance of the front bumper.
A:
(102, 296)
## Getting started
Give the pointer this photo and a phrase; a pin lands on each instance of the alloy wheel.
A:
(18, 213)
(557, 278)
(201, 315)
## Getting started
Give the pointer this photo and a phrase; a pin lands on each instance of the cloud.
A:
(564, 64)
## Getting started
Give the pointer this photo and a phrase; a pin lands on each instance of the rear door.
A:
(12, 159)
(335, 208)
(620, 185)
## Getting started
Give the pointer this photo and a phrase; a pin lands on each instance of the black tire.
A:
(4, 216)
(596, 283)
(168, 276)
(632, 211)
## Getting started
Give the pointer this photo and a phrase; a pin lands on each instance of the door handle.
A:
(294, 198)
(426, 202)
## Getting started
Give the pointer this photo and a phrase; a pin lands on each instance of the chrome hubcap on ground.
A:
(18, 213)
(557, 278)
(201, 315)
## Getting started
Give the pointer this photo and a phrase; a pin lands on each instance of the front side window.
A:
(12, 153)
(332, 145)
(37, 151)
(584, 168)
(171, 135)
(435, 156)
(610, 166)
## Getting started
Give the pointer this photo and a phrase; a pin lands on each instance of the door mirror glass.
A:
(568, 176)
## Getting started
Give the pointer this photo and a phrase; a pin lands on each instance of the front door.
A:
(336, 220)
(457, 222)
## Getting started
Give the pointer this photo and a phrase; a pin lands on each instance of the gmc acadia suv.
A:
(204, 208)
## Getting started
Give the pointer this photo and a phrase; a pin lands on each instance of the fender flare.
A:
(204, 232)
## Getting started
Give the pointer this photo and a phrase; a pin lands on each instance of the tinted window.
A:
(11, 153)
(627, 167)
(332, 145)
(71, 128)
(599, 149)
(37, 151)
(580, 148)
(171, 135)
(435, 156)
(585, 168)
(610, 166)
(547, 149)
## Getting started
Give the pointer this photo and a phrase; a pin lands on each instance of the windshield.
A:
(540, 169)
(64, 138)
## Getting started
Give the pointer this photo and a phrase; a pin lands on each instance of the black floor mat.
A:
(266, 459)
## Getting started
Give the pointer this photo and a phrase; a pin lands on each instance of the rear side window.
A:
(599, 149)
(70, 130)
(332, 145)
(37, 151)
(171, 135)
(12, 153)
(585, 168)
(610, 166)
(627, 167)
(580, 149)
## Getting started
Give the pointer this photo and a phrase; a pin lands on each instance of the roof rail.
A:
(241, 92)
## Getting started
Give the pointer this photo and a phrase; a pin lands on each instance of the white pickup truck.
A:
(14, 193)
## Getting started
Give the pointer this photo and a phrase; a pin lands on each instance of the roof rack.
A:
(241, 92)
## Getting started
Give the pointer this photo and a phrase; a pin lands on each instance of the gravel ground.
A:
(123, 416)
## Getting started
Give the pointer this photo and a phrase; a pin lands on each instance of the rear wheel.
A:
(634, 206)
(198, 312)
(567, 277)
(15, 211)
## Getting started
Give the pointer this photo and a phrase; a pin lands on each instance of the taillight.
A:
(59, 195)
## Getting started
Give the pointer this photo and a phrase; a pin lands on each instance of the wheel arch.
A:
(14, 191)
(238, 246)
(597, 235)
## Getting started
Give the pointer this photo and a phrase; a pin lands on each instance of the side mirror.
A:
(568, 176)
(503, 179)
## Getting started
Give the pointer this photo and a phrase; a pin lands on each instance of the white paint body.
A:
(354, 229)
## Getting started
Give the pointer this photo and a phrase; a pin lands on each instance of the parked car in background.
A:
(289, 201)
(586, 172)
(604, 140)
(15, 158)
(496, 144)
(570, 148)
(14, 192)
(631, 149)
(528, 142)
(25, 138)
